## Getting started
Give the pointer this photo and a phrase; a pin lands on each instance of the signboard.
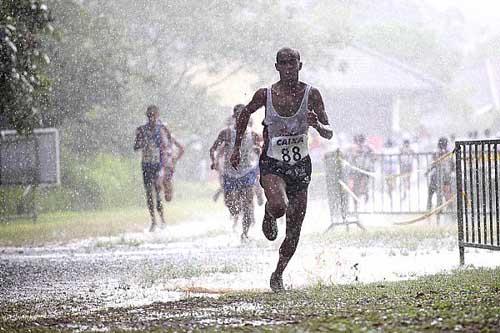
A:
(29, 160)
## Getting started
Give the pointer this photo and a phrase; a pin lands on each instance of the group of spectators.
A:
(396, 158)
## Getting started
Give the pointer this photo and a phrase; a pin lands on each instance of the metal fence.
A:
(477, 167)
(403, 183)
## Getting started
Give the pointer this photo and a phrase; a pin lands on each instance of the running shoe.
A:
(269, 227)
(152, 227)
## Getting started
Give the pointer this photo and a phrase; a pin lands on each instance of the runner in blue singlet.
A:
(238, 185)
(158, 160)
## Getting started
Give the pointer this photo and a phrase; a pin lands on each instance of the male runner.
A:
(238, 185)
(291, 106)
(440, 175)
(390, 166)
(406, 168)
(219, 162)
(361, 156)
(173, 151)
(156, 144)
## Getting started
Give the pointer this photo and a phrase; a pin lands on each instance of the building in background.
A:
(368, 92)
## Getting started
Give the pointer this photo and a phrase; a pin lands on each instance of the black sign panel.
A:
(29, 160)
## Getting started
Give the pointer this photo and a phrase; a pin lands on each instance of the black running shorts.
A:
(297, 176)
(150, 172)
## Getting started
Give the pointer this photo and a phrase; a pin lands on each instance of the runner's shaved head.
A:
(152, 109)
(287, 52)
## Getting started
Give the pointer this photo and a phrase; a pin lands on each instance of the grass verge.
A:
(466, 301)
(62, 227)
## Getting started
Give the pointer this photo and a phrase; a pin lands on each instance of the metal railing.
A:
(407, 183)
(477, 172)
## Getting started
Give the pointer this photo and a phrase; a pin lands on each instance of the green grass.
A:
(464, 301)
(62, 227)
(467, 300)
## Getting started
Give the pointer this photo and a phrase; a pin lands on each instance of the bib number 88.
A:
(285, 154)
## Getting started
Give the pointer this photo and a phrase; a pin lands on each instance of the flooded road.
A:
(207, 258)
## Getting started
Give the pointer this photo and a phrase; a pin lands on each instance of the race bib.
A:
(289, 149)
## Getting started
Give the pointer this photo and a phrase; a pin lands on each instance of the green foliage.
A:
(172, 44)
(22, 81)
(103, 181)
(100, 182)
(87, 76)
(112, 59)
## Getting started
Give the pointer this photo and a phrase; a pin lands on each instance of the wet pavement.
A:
(154, 277)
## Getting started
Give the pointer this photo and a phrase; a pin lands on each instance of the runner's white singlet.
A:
(287, 136)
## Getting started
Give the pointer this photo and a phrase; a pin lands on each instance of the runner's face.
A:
(153, 118)
(288, 65)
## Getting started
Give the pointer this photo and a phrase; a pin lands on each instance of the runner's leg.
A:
(294, 217)
(168, 189)
(431, 190)
(231, 202)
(276, 205)
(248, 210)
(159, 206)
(148, 179)
(150, 203)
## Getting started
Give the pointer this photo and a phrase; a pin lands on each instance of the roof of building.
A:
(359, 68)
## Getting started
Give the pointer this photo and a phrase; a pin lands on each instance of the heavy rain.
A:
(293, 165)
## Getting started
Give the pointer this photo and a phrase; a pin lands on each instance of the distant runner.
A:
(440, 175)
(406, 167)
(361, 156)
(257, 189)
(238, 185)
(173, 151)
(158, 161)
(390, 166)
(219, 162)
(291, 106)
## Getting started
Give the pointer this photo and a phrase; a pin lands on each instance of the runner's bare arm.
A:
(258, 101)
(139, 139)
(318, 119)
(165, 138)
(217, 143)
(180, 148)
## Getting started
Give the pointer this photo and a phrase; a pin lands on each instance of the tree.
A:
(87, 74)
(23, 84)
(173, 43)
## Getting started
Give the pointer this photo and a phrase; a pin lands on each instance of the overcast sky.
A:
(487, 11)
